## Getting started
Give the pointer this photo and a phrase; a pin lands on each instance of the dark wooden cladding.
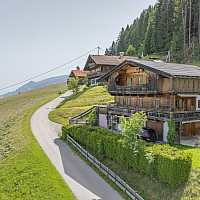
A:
(150, 82)
(183, 85)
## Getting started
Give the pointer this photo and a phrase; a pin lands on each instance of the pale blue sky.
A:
(38, 35)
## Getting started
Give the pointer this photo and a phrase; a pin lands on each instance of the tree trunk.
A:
(199, 23)
(184, 24)
(190, 19)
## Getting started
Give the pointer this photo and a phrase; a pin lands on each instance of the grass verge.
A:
(80, 102)
(26, 172)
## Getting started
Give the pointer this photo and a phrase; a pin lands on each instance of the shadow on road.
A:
(77, 169)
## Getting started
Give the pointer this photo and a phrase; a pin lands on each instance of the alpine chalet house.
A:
(98, 65)
(78, 74)
(162, 90)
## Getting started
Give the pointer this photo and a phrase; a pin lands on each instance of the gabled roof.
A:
(107, 60)
(78, 73)
(168, 70)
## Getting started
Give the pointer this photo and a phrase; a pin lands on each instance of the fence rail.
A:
(109, 173)
(79, 121)
(83, 114)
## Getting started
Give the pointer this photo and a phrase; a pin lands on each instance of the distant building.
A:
(78, 74)
(98, 65)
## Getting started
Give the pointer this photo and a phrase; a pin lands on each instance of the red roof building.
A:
(77, 73)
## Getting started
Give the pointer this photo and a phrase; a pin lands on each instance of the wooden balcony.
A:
(95, 75)
(134, 89)
(156, 114)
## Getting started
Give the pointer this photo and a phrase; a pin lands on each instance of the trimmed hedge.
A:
(161, 161)
(171, 165)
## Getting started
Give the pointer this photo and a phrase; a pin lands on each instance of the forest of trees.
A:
(168, 25)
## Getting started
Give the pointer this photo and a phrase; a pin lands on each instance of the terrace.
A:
(154, 114)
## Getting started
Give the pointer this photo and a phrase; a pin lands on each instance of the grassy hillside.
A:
(26, 172)
(145, 185)
(79, 103)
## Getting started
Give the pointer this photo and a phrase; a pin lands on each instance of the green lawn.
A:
(79, 103)
(25, 170)
(146, 186)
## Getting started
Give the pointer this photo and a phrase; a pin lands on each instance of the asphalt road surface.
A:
(84, 182)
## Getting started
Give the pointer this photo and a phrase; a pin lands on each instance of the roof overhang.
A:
(134, 63)
(187, 122)
(187, 95)
(87, 62)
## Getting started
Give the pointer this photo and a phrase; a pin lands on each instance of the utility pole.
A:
(98, 50)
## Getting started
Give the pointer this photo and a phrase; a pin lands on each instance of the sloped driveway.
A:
(84, 182)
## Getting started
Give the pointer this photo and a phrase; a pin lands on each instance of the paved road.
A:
(84, 182)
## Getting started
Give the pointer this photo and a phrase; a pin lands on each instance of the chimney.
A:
(121, 55)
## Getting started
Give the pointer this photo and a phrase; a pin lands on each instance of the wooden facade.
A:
(161, 94)
(99, 65)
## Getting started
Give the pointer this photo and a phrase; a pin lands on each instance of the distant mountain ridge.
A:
(34, 85)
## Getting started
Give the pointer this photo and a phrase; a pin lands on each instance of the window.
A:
(128, 102)
(177, 103)
(139, 81)
(122, 101)
(140, 102)
(185, 104)
(157, 103)
(198, 103)
(130, 81)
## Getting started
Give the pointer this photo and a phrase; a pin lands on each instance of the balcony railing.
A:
(95, 74)
(157, 114)
(134, 89)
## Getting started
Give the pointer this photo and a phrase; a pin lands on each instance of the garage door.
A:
(157, 126)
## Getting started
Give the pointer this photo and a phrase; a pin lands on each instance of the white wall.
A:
(165, 131)
(95, 82)
(197, 98)
(102, 120)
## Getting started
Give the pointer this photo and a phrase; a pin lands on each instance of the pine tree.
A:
(170, 24)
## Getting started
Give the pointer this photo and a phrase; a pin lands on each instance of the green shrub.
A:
(171, 137)
(85, 88)
(100, 84)
(93, 118)
(171, 165)
(164, 162)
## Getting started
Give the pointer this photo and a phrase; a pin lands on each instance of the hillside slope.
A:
(168, 25)
(32, 85)
(80, 102)
(26, 172)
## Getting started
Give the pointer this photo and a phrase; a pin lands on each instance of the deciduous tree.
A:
(130, 129)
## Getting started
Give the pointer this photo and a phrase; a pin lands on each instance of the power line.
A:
(61, 70)
(48, 71)
(101, 49)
